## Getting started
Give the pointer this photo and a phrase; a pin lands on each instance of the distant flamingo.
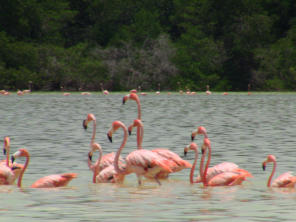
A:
(104, 171)
(174, 161)
(208, 92)
(226, 173)
(141, 162)
(194, 147)
(107, 159)
(284, 180)
(55, 180)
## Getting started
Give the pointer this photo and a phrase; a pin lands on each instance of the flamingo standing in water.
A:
(9, 171)
(194, 147)
(284, 180)
(55, 180)
(107, 159)
(220, 174)
(226, 173)
(141, 162)
(174, 161)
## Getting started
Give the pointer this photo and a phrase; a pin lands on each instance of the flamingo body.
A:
(55, 180)
(109, 175)
(6, 175)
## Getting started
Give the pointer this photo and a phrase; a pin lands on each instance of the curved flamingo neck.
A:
(140, 134)
(97, 165)
(139, 108)
(193, 166)
(207, 165)
(7, 155)
(272, 173)
(116, 159)
(202, 164)
(94, 132)
(19, 182)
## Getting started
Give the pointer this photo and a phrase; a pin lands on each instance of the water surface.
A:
(243, 129)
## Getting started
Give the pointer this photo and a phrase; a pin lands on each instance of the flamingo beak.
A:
(4, 151)
(109, 137)
(185, 150)
(263, 166)
(12, 159)
(15, 168)
(123, 100)
(90, 156)
(84, 124)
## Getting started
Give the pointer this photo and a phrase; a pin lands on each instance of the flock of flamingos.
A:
(154, 164)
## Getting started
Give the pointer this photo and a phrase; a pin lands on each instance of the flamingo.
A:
(212, 171)
(220, 173)
(174, 161)
(104, 171)
(107, 159)
(284, 180)
(142, 162)
(55, 180)
(208, 92)
(192, 146)
(8, 172)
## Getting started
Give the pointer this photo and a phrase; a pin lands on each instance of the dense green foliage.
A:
(123, 44)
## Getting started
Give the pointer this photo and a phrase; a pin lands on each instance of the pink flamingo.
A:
(219, 168)
(220, 173)
(194, 147)
(177, 163)
(55, 180)
(284, 180)
(174, 161)
(107, 159)
(141, 162)
(9, 171)
(104, 172)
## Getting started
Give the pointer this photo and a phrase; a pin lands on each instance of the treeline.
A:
(171, 44)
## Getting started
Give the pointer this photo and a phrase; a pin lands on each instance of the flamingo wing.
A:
(218, 169)
(145, 161)
(169, 155)
(227, 179)
(55, 180)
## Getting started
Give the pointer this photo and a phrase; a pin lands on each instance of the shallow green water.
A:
(243, 129)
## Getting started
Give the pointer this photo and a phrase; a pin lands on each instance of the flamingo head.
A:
(132, 96)
(6, 144)
(90, 117)
(191, 146)
(19, 153)
(115, 126)
(201, 130)
(130, 128)
(17, 168)
(270, 158)
(193, 135)
(94, 147)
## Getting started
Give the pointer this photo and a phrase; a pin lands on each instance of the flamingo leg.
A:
(157, 180)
